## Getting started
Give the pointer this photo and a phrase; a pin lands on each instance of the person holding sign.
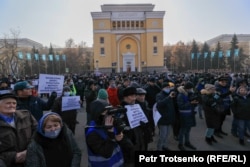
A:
(68, 116)
(34, 104)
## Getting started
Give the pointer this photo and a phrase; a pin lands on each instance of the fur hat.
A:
(209, 86)
(129, 91)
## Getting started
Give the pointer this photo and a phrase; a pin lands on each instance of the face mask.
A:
(166, 90)
(66, 93)
(52, 134)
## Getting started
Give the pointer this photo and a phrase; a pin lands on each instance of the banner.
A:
(64, 57)
(70, 103)
(192, 55)
(228, 53)
(20, 55)
(50, 57)
(135, 115)
(236, 52)
(212, 54)
(44, 57)
(220, 54)
(57, 57)
(205, 55)
(198, 55)
(36, 56)
(49, 83)
(28, 56)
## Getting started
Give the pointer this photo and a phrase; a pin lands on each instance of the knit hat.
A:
(102, 94)
(209, 86)
(188, 85)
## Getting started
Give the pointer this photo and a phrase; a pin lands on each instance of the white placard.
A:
(35, 82)
(70, 103)
(135, 115)
(156, 114)
(50, 83)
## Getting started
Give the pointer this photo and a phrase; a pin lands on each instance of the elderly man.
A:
(16, 130)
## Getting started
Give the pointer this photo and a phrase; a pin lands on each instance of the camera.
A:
(118, 114)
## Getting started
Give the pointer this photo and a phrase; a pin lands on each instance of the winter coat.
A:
(186, 109)
(113, 96)
(165, 106)
(35, 105)
(240, 107)
(152, 91)
(90, 96)
(35, 151)
(13, 140)
(212, 115)
(68, 117)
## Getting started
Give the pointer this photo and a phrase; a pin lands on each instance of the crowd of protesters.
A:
(177, 98)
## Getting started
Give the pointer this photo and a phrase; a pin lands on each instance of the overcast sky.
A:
(55, 21)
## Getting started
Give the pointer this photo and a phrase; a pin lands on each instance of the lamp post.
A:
(97, 69)
(165, 62)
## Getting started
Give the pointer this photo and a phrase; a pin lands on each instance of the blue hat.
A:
(41, 122)
(22, 85)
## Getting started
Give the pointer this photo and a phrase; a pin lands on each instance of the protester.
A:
(26, 101)
(16, 130)
(53, 145)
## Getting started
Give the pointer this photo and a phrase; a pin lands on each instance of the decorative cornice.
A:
(127, 7)
(101, 15)
(155, 14)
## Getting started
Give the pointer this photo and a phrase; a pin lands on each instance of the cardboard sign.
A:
(135, 115)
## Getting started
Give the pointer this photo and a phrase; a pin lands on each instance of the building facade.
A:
(128, 38)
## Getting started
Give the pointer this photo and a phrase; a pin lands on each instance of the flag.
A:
(198, 55)
(50, 57)
(220, 54)
(192, 55)
(44, 57)
(236, 52)
(36, 56)
(57, 57)
(28, 55)
(20, 55)
(212, 54)
(228, 53)
(205, 55)
(64, 57)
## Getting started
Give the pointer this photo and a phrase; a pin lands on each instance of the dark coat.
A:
(35, 151)
(165, 106)
(212, 115)
(13, 140)
(240, 107)
(35, 105)
(152, 91)
(68, 117)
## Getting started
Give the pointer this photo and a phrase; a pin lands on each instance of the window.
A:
(137, 24)
(128, 24)
(142, 24)
(114, 24)
(123, 23)
(155, 39)
(101, 39)
(102, 51)
(155, 50)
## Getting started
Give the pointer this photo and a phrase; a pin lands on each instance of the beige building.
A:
(128, 38)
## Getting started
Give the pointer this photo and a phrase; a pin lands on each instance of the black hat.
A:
(97, 107)
(223, 78)
(129, 91)
(188, 85)
(7, 95)
(152, 79)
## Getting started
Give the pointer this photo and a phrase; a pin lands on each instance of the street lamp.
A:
(165, 62)
(97, 65)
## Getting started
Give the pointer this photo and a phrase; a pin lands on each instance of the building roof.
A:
(228, 38)
(22, 43)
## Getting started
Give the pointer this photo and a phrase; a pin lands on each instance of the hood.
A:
(181, 89)
(40, 123)
(205, 92)
(96, 109)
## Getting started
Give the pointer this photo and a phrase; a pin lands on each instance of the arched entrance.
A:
(128, 62)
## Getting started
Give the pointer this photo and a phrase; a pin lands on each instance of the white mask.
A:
(66, 93)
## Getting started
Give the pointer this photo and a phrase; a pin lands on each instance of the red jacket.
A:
(113, 96)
